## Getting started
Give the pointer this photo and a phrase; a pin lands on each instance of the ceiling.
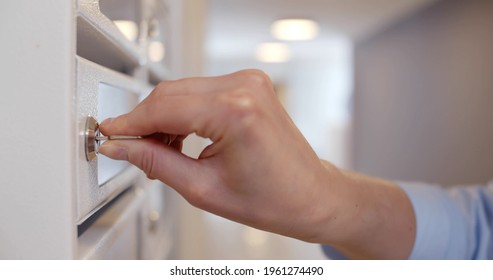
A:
(235, 27)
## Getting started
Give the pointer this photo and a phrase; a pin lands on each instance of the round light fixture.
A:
(294, 29)
(156, 51)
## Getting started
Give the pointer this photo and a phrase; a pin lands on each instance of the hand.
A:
(259, 169)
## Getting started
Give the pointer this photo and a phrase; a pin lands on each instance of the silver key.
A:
(117, 137)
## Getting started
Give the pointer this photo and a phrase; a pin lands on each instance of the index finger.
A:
(171, 114)
(182, 107)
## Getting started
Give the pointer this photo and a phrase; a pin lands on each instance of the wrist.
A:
(327, 210)
(369, 217)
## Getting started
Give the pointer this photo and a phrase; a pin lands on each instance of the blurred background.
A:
(396, 89)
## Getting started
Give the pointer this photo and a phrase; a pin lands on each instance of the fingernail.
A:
(113, 150)
(107, 122)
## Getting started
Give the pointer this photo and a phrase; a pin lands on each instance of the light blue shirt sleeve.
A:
(451, 223)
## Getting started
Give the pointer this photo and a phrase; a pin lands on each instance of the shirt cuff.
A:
(436, 234)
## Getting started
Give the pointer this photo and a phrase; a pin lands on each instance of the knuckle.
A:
(254, 78)
(161, 90)
(240, 105)
(157, 97)
(162, 87)
(200, 197)
(146, 161)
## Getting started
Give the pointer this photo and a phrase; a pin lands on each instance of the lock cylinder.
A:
(90, 142)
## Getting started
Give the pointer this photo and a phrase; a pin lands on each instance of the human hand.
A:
(259, 169)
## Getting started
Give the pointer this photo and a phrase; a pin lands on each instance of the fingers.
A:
(182, 107)
(156, 160)
(171, 114)
(188, 176)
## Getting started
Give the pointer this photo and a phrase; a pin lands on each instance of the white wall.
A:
(424, 95)
(37, 152)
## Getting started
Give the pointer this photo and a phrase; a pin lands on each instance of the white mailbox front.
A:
(101, 93)
(65, 61)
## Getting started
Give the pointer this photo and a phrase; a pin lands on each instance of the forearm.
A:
(371, 219)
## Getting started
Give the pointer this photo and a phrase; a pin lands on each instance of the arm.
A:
(259, 170)
(452, 223)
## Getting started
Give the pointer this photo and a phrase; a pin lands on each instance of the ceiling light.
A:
(128, 28)
(273, 52)
(294, 29)
(156, 51)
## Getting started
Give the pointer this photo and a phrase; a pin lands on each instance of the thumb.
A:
(156, 160)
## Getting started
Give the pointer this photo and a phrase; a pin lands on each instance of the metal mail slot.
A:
(115, 233)
(101, 93)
